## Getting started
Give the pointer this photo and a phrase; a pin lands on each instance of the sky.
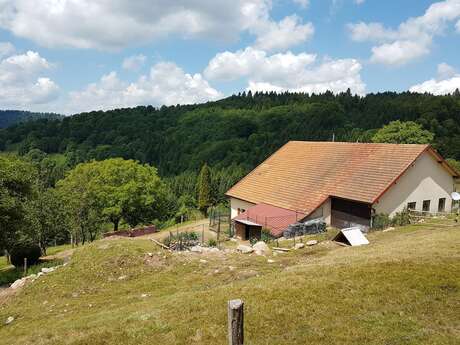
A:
(69, 56)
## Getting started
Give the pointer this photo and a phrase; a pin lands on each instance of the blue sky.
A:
(77, 55)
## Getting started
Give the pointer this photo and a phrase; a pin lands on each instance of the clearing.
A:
(403, 288)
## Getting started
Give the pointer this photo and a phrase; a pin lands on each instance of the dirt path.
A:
(198, 226)
(65, 255)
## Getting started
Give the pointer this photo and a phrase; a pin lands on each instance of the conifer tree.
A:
(204, 189)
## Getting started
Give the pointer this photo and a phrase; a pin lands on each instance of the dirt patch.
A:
(154, 261)
(64, 255)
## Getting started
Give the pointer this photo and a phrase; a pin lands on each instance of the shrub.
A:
(27, 250)
(253, 240)
(186, 239)
(265, 235)
(381, 221)
(212, 242)
(401, 218)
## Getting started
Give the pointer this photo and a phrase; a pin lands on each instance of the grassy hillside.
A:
(403, 288)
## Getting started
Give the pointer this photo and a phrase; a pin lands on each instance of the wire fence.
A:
(276, 224)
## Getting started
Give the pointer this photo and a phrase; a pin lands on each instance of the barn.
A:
(344, 183)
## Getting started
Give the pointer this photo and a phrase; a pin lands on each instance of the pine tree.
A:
(204, 189)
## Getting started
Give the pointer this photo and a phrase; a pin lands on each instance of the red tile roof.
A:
(301, 175)
(276, 219)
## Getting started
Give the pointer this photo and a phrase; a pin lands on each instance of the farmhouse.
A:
(344, 183)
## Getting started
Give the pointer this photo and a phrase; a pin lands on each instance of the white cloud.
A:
(445, 71)
(457, 26)
(412, 39)
(114, 24)
(438, 87)
(398, 52)
(6, 49)
(302, 3)
(21, 81)
(134, 63)
(287, 33)
(166, 84)
(254, 62)
(286, 71)
(359, 2)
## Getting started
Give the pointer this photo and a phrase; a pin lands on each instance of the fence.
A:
(220, 221)
(422, 216)
(275, 224)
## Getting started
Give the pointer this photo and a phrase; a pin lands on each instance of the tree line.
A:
(44, 203)
(241, 130)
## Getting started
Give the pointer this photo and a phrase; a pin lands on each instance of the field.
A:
(403, 288)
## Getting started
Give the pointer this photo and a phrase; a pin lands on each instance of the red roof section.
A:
(301, 175)
(276, 219)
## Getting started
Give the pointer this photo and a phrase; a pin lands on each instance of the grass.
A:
(8, 273)
(403, 288)
(11, 274)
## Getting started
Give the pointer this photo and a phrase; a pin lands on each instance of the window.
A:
(411, 205)
(442, 205)
(426, 206)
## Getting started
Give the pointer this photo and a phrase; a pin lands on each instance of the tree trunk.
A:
(115, 224)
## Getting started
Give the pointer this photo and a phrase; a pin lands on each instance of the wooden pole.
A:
(25, 267)
(235, 322)
(202, 234)
(218, 233)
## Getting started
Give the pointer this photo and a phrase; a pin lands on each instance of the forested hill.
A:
(10, 117)
(239, 130)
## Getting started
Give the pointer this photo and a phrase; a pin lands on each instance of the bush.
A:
(253, 240)
(265, 235)
(212, 242)
(381, 221)
(30, 251)
(186, 239)
(401, 218)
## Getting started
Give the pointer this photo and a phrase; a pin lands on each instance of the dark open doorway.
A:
(348, 213)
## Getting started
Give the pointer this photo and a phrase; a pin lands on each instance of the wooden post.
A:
(235, 322)
(202, 234)
(25, 267)
(218, 233)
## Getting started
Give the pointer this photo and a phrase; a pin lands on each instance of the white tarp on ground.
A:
(351, 236)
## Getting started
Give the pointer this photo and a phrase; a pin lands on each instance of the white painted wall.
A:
(323, 211)
(236, 204)
(425, 180)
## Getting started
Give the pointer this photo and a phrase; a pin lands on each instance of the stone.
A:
(18, 283)
(150, 254)
(214, 250)
(389, 229)
(203, 261)
(299, 246)
(9, 320)
(122, 277)
(244, 249)
(144, 295)
(231, 268)
(196, 249)
(261, 248)
(312, 242)
(270, 261)
(47, 269)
